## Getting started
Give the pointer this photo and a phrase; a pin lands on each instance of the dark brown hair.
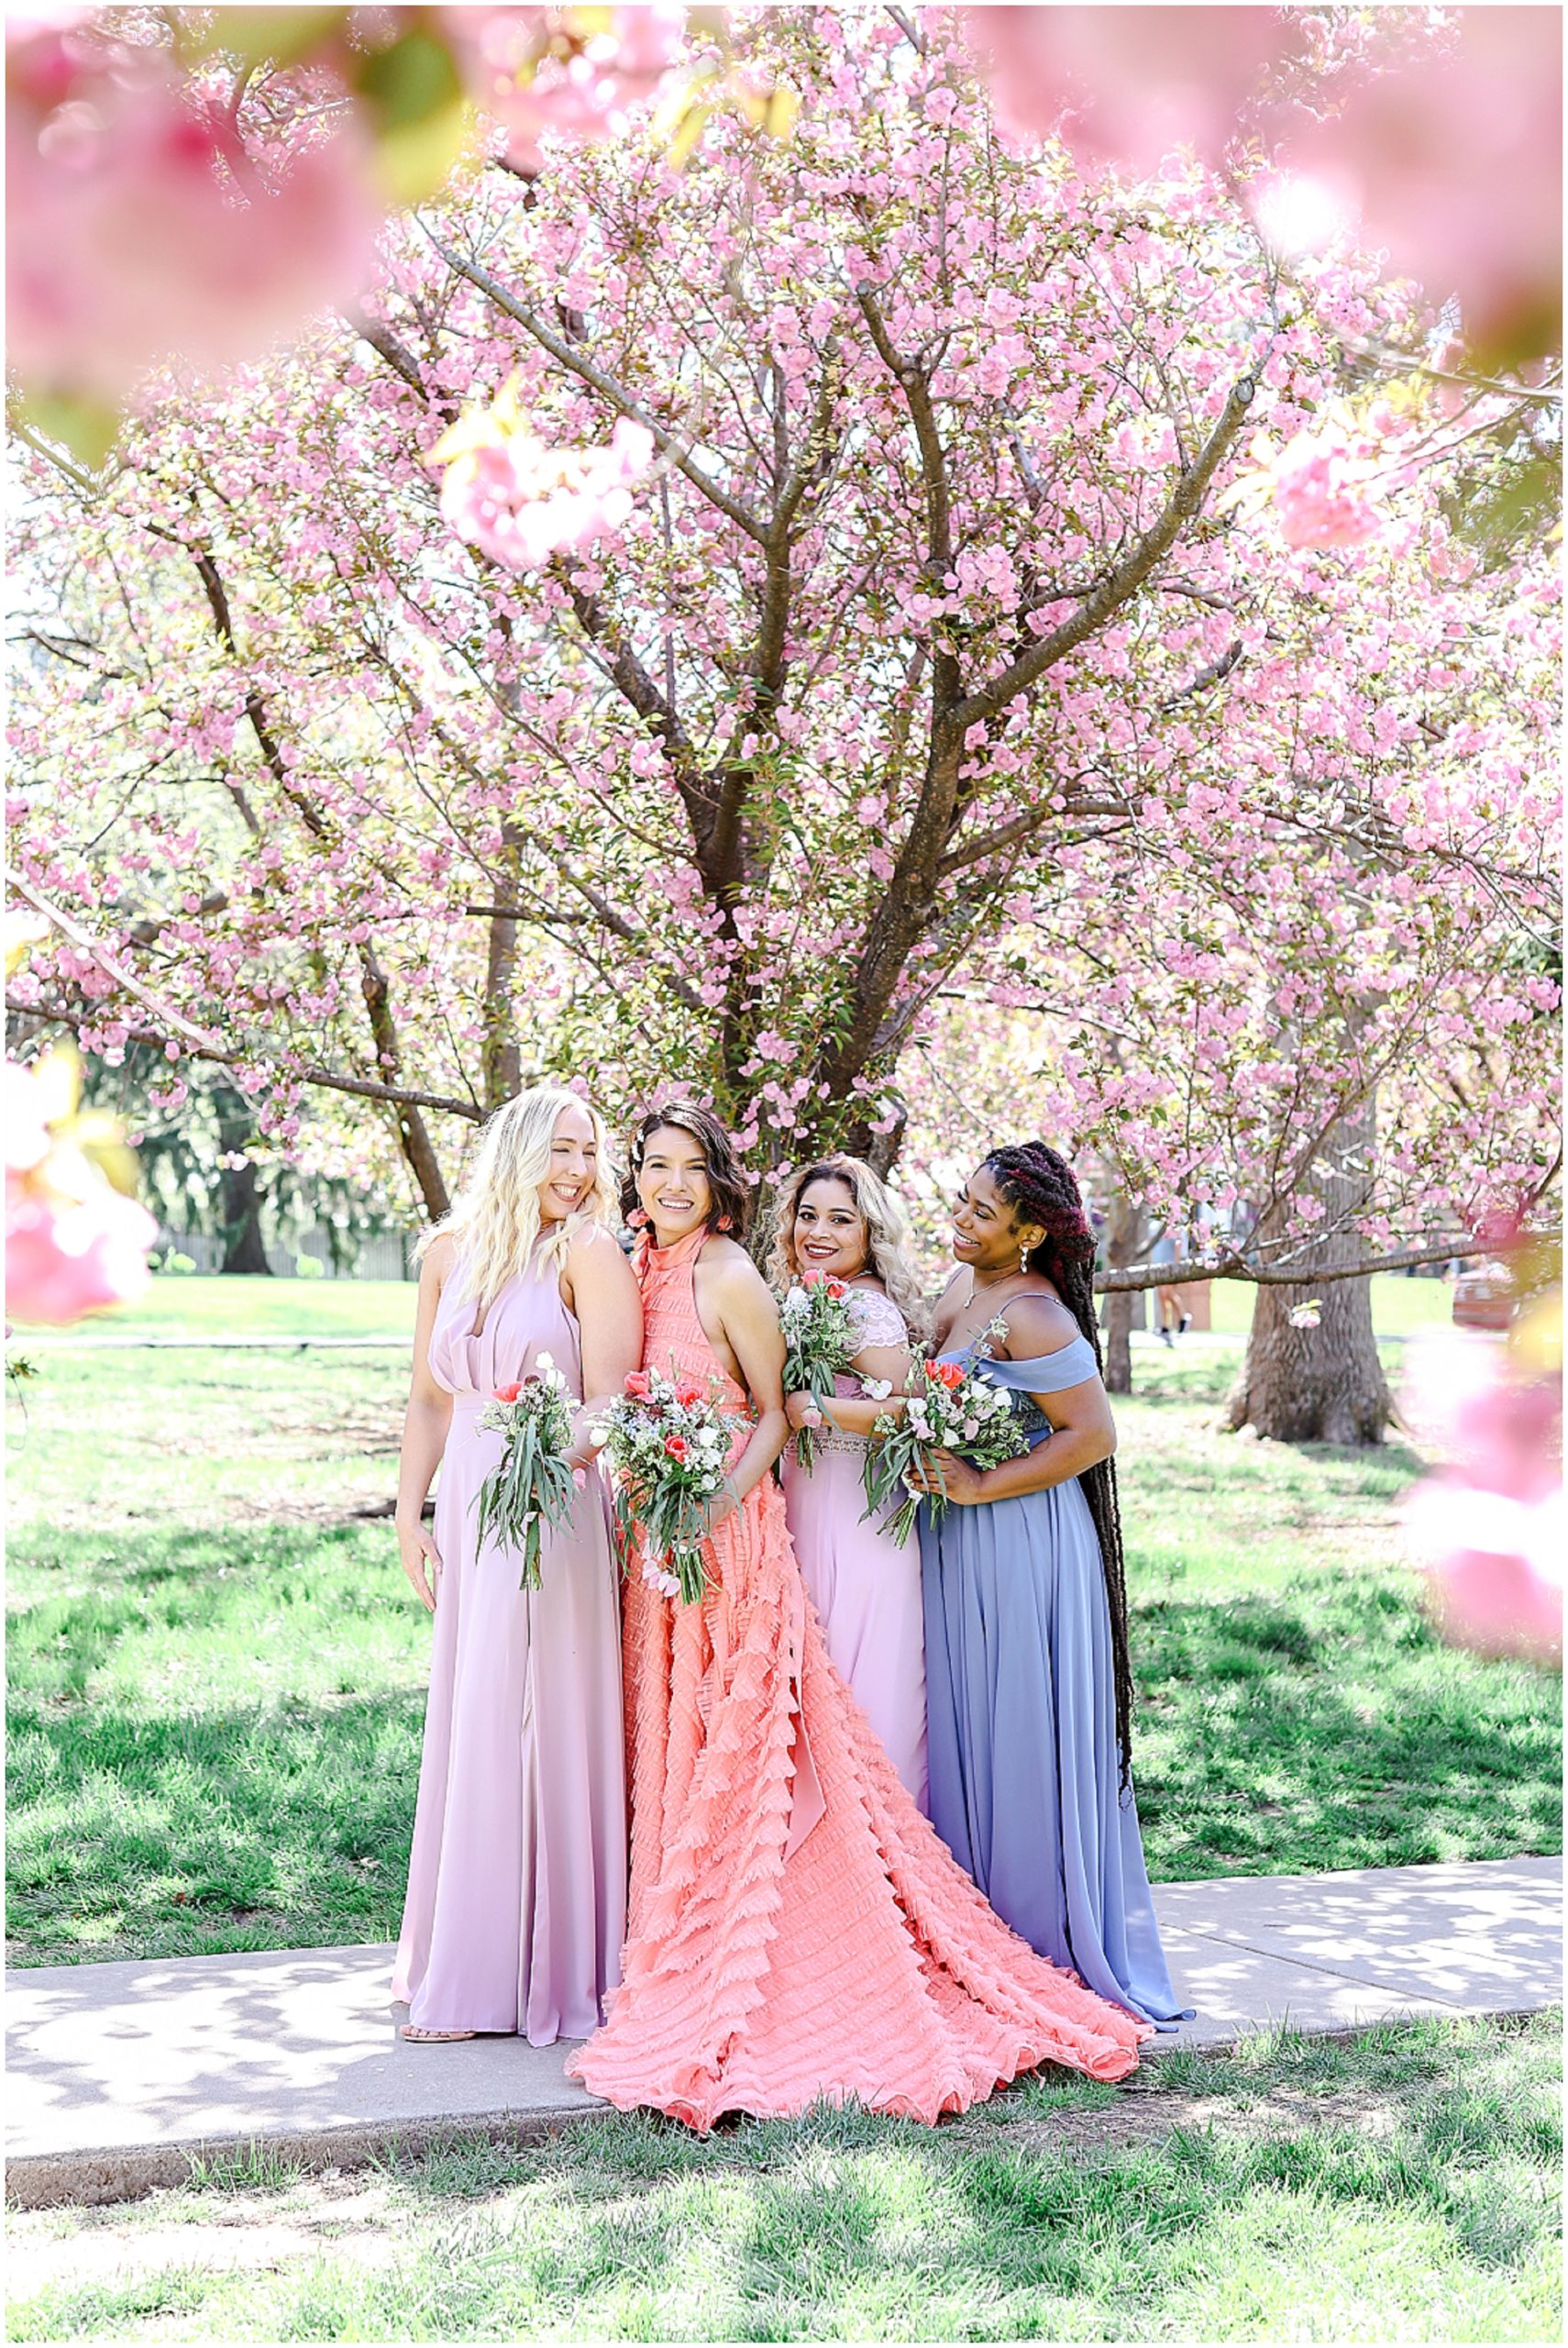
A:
(729, 1197)
(1039, 1186)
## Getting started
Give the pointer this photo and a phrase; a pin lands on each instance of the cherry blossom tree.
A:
(934, 660)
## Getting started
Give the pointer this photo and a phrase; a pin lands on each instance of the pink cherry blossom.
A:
(1127, 83)
(1487, 1525)
(1321, 494)
(73, 1242)
(1453, 158)
(747, 795)
(570, 71)
(506, 491)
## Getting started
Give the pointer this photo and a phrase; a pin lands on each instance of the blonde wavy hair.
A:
(887, 1236)
(495, 1217)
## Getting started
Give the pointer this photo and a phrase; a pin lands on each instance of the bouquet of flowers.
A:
(668, 1442)
(533, 1486)
(952, 1408)
(819, 1334)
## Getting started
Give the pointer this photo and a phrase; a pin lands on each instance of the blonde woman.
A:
(837, 1218)
(517, 1899)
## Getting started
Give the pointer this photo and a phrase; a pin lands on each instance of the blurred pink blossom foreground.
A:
(73, 1240)
(139, 231)
(1443, 140)
(1488, 1526)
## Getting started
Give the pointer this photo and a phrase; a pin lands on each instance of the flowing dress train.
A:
(517, 1877)
(796, 1928)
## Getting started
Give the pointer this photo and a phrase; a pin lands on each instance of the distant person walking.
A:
(1171, 1319)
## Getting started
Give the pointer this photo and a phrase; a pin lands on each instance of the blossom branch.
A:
(230, 1056)
(567, 355)
(1235, 1268)
(1121, 584)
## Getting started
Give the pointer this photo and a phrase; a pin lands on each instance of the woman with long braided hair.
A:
(1029, 1689)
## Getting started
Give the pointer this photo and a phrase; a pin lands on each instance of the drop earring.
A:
(1023, 1259)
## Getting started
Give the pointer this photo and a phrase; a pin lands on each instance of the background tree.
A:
(930, 659)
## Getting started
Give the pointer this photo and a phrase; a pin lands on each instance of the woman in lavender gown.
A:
(516, 1902)
(837, 1219)
(1029, 1686)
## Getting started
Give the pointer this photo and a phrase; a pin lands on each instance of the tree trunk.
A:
(1125, 1245)
(1324, 1384)
(1321, 1385)
(244, 1249)
(1118, 1342)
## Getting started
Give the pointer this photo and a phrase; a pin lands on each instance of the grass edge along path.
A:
(1398, 2184)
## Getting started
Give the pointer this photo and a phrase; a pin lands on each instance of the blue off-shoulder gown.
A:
(1025, 1786)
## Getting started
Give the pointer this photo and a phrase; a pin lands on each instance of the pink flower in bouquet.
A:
(509, 1394)
(138, 230)
(637, 1385)
(676, 1446)
(519, 501)
(688, 1391)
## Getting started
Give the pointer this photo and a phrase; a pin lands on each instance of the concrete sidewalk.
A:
(118, 2073)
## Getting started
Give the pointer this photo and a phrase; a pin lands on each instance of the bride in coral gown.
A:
(796, 1929)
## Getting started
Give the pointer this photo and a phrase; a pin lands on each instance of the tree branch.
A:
(195, 1038)
(607, 387)
(1121, 584)
(1234, 1267)
(324, 1079)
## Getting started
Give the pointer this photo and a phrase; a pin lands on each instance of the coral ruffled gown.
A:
(796, 1929)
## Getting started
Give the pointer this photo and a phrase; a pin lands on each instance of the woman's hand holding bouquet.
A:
(948, 1408)
(534, 1485)
(668, 1442)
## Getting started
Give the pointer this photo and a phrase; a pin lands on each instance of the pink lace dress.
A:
(796, 1929)
(866, 1588)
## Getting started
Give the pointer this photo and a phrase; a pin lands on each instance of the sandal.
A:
(416, 2037)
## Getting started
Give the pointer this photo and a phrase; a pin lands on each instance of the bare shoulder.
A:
(1038, 1324)
(734, 1277)
(730, 1267)
(594, 1243)
(439, 1258)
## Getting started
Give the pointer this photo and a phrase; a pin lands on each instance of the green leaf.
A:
(87, 427)
(420, 114)
(265, 36)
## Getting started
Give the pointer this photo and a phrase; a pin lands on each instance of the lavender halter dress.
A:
(1021, 1718)
(517, 1879)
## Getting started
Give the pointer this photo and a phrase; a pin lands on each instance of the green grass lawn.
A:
(217, 1671)
(214, 1306)
(189, 1305)
(1402, 2187)
(1401, 1306)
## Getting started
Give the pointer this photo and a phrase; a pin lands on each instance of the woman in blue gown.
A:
(1029, 1687)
